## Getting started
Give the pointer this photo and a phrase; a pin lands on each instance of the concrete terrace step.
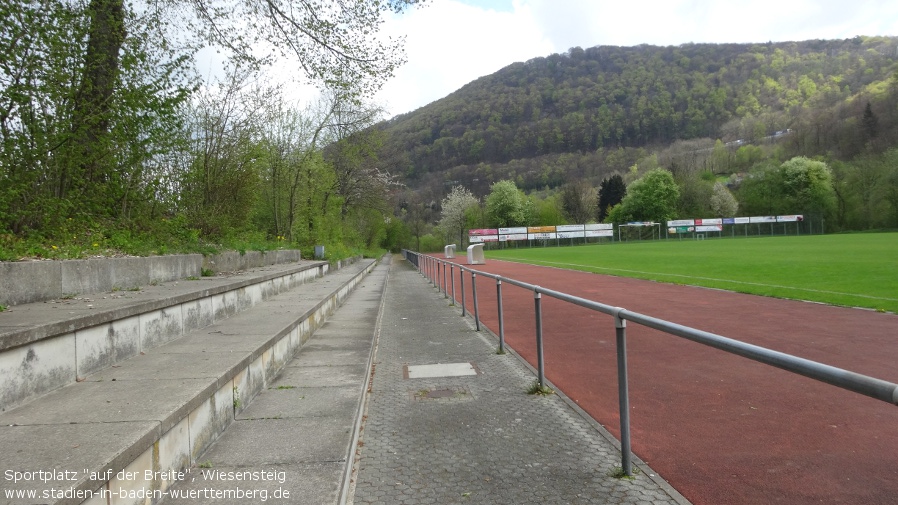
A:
(319, 393)
(46, 345)
(162, 408)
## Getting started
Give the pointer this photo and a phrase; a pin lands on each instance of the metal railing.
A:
(431, 267)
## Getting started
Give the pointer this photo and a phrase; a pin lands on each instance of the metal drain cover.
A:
(440, 370)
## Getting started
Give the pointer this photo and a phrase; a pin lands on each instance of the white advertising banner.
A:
(598, 226)
(510, 237)
(762, 219)
(789, 219)
(476, 239)
(741, 220)
(599, 233)
(513, 231)
(708, 227)
(542, 236)
(569, 231)
(713, 221)
(681, 222)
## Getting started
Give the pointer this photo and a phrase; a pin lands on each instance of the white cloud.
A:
(450, 43)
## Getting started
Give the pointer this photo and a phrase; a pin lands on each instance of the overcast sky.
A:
(450, 43)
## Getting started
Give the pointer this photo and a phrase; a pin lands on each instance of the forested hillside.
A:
(592, 112)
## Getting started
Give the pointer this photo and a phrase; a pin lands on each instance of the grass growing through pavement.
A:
(855, 270)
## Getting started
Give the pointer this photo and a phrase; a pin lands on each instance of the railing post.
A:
(452, 279)
(537, 297)
(439, 284)
(623, 394)
(501, 323)
(476, 310)
(461, 275)
(445, 285)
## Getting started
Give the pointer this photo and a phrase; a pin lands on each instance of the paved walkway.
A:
(425, 438)
(473, 438)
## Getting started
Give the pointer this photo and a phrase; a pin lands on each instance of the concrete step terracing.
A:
(191, 372)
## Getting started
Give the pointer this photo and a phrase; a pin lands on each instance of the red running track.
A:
(720, 428)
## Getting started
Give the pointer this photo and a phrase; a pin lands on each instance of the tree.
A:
(723, 203)
(333, 42)
(507, 206)
(106, 80)
(652, 197)
(695, 194)
(869, 124)
(221, 172)
(454, 209)
(761, 193)
(92, 104)
(361, 180)
(580, 201)
(808, 186)
(611, 191)
(799, 185)
(87, 115)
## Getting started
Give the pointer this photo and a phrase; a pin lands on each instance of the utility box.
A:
(449, 251)
(475, 254)
(319, 252)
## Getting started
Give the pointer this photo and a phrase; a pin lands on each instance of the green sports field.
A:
(857, 270)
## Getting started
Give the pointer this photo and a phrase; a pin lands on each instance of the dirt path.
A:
(722, 429)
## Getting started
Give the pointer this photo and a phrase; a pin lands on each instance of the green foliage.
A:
(547, 211)
(536, 389)
(808, 184)
(507, 206)
(432, 243)
(579, 200)
(695, 195)
(798, 186)
(652, 197)
(109, 146)
(576, 111)
(72, 146)
(611, 192)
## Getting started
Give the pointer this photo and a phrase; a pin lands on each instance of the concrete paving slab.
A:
(322, 376)
(285, 401)
(281, 441)
(252, 324)
(342, 342)
(162, 365)
(111, 402)
(214, 341)
(328, 357)
(85, 447)
(312, 483)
